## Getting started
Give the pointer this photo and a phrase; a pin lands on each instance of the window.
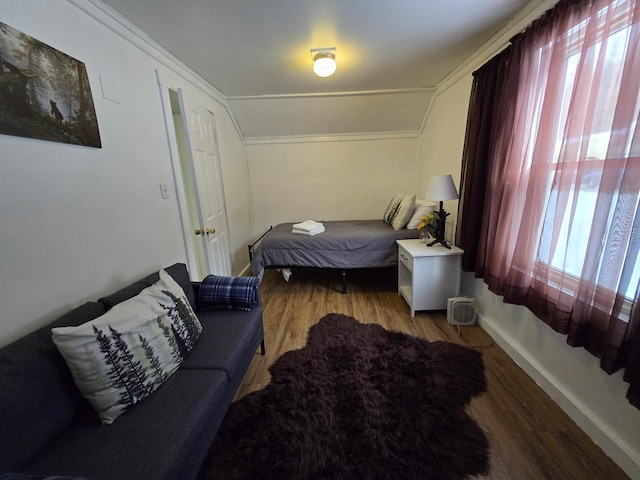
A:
(565, 249)
(553, 138)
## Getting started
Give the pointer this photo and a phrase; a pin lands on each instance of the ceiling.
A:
(390, 54)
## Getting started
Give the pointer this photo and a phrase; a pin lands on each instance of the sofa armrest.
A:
(196, 290)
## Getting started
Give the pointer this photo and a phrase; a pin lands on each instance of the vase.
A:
(424, 235)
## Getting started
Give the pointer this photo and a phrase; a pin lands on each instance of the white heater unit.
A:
(462, 311)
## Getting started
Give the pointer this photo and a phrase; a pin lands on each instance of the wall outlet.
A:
(164, 191)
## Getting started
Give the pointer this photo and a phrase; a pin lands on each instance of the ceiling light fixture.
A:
(324, 61)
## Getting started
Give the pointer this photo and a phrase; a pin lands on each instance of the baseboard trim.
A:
(611, 444)
(245, 271)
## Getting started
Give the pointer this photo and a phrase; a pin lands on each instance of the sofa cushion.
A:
(120, 358)
(228, 293)
(178, 272)
(229, 341)
(150, 442)
(38, 398)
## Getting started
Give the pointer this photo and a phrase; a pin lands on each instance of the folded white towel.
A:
(308, 226)
(309, 233)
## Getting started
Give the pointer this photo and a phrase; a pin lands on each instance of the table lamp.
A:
(441, 188)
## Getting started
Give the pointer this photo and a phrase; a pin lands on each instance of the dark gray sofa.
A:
(48, 428)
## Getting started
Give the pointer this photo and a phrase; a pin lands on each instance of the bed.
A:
(344, 245)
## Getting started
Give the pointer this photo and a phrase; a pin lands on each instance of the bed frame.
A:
(344, 245)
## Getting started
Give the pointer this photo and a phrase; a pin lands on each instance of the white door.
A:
(202, 147)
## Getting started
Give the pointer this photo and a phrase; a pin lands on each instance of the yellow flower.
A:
(426, 220)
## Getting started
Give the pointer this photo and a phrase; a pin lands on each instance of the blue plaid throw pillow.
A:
(228, 293)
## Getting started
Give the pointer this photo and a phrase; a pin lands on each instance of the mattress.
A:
(345, 244)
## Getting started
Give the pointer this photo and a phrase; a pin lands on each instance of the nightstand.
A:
(428, 276)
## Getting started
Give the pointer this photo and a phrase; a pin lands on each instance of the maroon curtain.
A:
(483, 116)
(551, 177)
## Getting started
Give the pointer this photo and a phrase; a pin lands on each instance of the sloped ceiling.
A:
(390, 56)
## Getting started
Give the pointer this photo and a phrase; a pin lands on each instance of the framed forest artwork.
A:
(44, 93)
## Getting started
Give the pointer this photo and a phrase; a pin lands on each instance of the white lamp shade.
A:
(441, 188)
(324, 65)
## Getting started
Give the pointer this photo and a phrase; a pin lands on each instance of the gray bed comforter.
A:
(344, 244)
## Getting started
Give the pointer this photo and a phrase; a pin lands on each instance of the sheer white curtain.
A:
(560, 230)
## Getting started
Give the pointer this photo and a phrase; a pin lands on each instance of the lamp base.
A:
(444, 243)
(439, 234)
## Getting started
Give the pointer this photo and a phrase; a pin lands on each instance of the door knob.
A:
(199, 231)
(210, 231)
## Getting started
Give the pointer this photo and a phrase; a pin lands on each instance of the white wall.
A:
(235, 174)
(571, 376)
(78, 222)
(339, 178)
(442, 141)
(330, 113)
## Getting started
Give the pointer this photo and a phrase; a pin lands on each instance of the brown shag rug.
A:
(357, 402)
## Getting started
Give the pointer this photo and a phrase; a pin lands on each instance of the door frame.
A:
(205, 179)
(190, 241)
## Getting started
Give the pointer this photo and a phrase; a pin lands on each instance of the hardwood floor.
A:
(530, 436)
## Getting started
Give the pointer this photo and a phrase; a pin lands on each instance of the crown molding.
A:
(498, 42)
(355, 93)
(355, 137)
(108, 17)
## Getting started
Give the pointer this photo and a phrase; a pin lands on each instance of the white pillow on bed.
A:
(421, 209)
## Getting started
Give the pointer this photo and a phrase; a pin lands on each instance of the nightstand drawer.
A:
(405, 258)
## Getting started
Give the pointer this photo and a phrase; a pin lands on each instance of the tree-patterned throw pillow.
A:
(184, 322)
(120, 358)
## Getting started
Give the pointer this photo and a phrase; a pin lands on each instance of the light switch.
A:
(164, 191)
